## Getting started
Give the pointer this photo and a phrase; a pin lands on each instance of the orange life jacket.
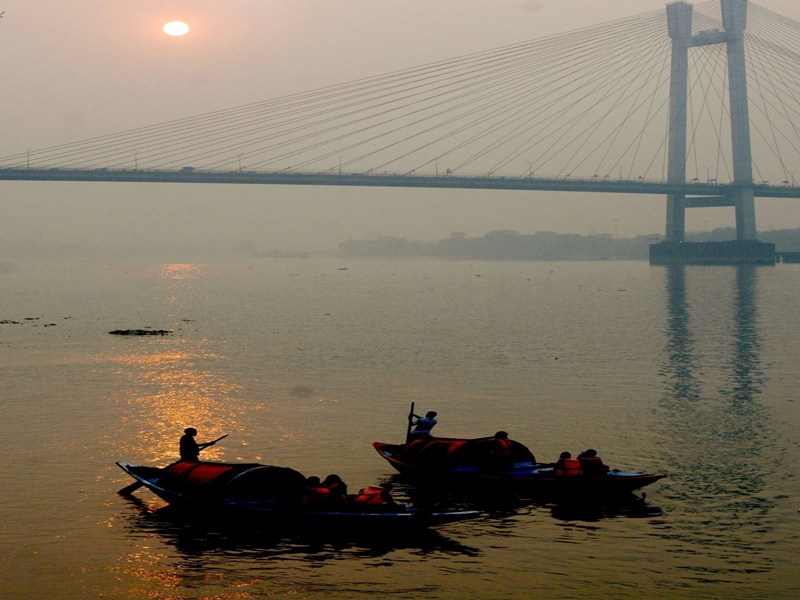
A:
(568, 467)
(315, 495)
(371, 495)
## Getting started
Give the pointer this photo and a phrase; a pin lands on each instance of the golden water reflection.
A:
(182, 271)
(178, 278)
(175, 392)
(172, 381)
(166, 385)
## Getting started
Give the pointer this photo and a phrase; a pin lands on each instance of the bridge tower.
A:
(734, 20)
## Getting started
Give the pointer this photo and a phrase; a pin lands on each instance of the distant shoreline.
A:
(543, 246)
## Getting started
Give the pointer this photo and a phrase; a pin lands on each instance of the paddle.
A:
(211, 443)
(129, 489)
(410, 419)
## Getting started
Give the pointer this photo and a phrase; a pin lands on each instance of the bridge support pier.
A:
(734, 20)
(679, 20)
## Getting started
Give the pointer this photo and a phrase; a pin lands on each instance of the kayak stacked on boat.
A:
(478, 460)
(271, 491)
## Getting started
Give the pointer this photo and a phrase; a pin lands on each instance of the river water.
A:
(305, 362)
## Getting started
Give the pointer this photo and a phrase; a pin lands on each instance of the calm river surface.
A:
(692, 372)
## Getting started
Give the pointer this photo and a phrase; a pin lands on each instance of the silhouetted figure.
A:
(315, 493)
(337, 490)
(189, 448)
(423, 425)
(591, 464)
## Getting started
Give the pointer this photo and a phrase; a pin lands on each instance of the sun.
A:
(176, 28)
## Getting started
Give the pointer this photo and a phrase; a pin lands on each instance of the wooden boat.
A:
(271, 492)
(473, 460)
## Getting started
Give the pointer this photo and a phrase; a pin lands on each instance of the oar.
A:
(211, 443)
(410, 418)
(129, 489)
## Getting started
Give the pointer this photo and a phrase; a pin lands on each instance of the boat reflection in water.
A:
(195, 533)
(502, 503)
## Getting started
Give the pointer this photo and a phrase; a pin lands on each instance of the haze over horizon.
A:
(75, 72)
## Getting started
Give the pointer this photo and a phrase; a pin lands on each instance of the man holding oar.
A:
(190, 449)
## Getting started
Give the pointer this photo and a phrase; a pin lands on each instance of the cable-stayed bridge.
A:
(699, 103)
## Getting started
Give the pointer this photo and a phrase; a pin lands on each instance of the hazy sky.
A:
(74, 70)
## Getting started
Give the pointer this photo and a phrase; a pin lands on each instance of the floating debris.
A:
(140, 332)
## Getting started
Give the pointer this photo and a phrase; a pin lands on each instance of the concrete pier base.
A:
(734, 252)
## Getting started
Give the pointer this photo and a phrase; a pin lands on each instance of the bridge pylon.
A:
(734, 22)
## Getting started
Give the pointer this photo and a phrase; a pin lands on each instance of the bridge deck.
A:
(566, 184)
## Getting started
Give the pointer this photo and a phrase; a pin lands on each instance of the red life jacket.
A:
(371, 495)
(315, 495)
(568, 467)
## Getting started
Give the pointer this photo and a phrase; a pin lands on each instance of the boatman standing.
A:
(189, 448)
(423, 425)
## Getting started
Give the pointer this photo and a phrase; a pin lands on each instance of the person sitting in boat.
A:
(189, 449)
(566, 466)
(376, 496)
(591, 464)
(315, 493)
(337, 490)
(423, 425)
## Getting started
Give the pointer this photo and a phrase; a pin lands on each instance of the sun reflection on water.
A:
(175, 393)
(172, 381)
(182, 271)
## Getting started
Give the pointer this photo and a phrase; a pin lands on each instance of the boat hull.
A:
(289, 512)
(537, 478)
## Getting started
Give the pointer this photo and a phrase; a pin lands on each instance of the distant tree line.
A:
(545, 245)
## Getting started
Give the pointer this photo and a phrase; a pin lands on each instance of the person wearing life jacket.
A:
(591, 464)
(337, 490)
(566, 466)
(315, 494)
